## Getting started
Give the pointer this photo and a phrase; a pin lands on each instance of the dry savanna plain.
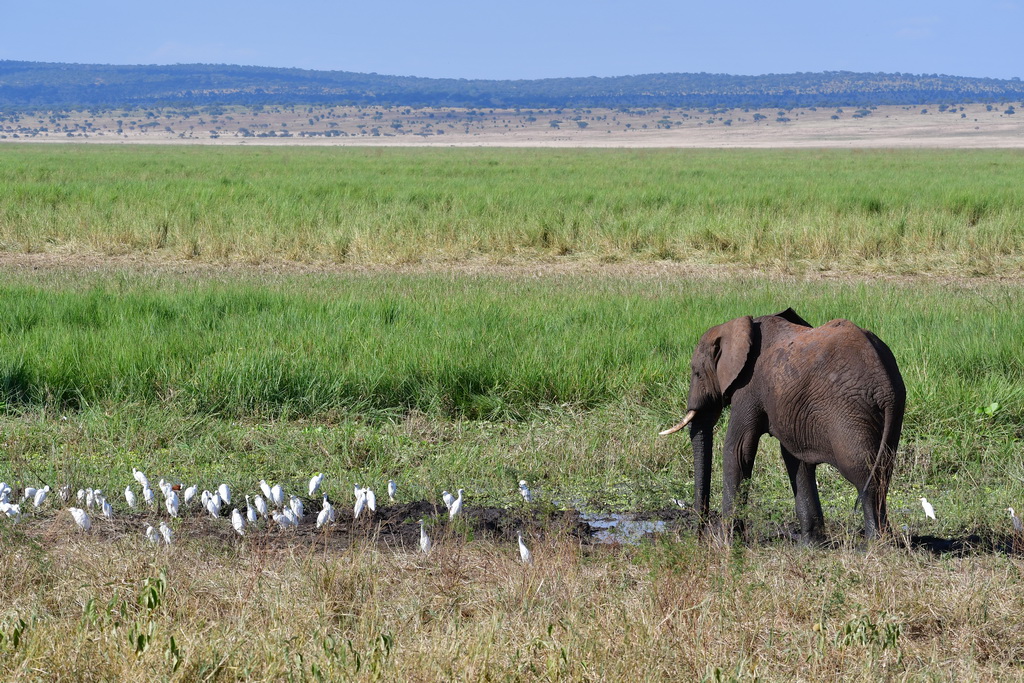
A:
(463, 299)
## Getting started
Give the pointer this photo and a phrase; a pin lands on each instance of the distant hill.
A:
(44, 85)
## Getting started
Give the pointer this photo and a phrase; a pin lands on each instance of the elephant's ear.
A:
(735, 340)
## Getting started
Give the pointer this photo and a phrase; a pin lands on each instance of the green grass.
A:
(481, 379)
(889, 211)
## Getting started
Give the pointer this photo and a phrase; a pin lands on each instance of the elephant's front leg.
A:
(737, 466)
(805, 491)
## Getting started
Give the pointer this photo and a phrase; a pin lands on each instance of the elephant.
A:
(830, 394)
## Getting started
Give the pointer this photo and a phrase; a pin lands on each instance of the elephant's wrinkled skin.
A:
(830, 394)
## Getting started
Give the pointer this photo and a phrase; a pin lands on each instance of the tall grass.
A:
(950, 211)
(201, 610)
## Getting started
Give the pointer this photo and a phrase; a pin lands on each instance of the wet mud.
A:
(396, 526)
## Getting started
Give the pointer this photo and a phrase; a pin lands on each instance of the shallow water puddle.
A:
(620, 527)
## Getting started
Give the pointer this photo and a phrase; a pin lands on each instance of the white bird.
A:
(929, 511)
(152, 535)
(456, 507)
(81, 518)
(277, 495)
(326, 515)
(147, 495)
(1018, 526)
(107, 508)
(129, 496)
(424, 539)
(90, 497)
(286, 519)
(189, 494)
(40, 496)
(172, 503)
(97, 497)
(141, 478)
(314, 483)
(225, 494)
(360, 504)
(295, 503)
(238, 522)
(65, 492)
(166, 532)
(524, 552)
(448, 499)
(371, 499)
(165, 487)
(213, 505)
(392, 490)
(265, 487)
(261, 506)
(524, 491)
(11, 510)
(250, 511)
(29, 493)
(81, 495)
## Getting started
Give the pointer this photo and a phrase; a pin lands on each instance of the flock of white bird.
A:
(287, 511)
(270, 505)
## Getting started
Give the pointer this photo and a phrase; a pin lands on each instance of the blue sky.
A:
(529, 38)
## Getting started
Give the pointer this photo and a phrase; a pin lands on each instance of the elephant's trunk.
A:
(701, 437)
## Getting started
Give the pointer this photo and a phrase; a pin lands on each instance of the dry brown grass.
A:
(674, 610)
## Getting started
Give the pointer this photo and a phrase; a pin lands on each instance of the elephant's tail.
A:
(882, 465)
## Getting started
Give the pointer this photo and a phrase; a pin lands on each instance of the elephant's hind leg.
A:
(805, 491)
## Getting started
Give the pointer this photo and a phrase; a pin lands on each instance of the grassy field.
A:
(476, 378)
(879, 211)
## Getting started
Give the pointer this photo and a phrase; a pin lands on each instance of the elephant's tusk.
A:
(686, 420)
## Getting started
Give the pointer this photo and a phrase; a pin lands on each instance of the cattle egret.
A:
(213, 505)
(265, 488)
(448, 499)
(424, 539)
(11, 510)
(189, 494)
(152, 535)
(326, 515)
(524, 491)
(129, 496)
(456, 507)
(314, 483)
(261, 506)
(166, 532)
(29, 493)
(929, 511)
(250, 511)
(107, 508)
(392, 490)
(286, 519)
(40, 496)
(165, 487)
(360, 504)
(172, 503)
(225, 494)
(524, 552)
(147, 495)
(204, 498)
(81, 518)
(277, 495)
(371, 499)
(1018, 526)
(65, 492)
(238, 522)
(81, 495)
(141, 478)
(295, 503)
